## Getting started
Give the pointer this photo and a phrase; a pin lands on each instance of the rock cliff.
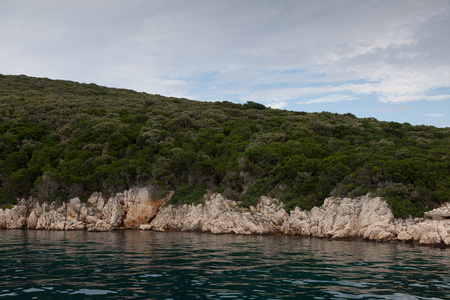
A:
(123, 210)
(364, 217)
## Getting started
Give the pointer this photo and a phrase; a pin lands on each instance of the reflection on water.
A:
(173, 265)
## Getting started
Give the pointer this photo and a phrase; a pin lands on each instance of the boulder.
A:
(140, 207)
(217, 216)
(113, 211)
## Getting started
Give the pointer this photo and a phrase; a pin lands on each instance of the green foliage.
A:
(187, 194)
(253, 105)
(60, 139)
(261, 186)
(402, 207)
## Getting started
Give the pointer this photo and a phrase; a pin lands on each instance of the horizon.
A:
(373, 59)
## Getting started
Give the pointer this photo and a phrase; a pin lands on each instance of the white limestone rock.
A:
(145, 227)
(404, 236)
(73, 224)
(16, 217)
(297, 222)
(431, 237)
(91, 220)
(217, 216)
(96, 202)
(32, 220)
(100, 226)
(112, 211)
(51, 218)
(73, 208)
(364, 217)
(272, 209)
(443, 229)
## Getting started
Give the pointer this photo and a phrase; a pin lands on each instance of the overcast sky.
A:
(384, 59)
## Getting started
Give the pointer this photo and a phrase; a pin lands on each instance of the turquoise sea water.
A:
(176, 265)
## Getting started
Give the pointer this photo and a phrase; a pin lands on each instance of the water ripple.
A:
(171, 265)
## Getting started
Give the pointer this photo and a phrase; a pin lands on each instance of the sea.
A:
(133, 264)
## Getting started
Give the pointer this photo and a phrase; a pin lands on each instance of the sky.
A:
(389, 60)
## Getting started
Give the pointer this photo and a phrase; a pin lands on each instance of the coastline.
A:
(368, 218)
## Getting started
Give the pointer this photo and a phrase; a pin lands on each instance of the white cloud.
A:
(329, 99)
(394, 108)
(277, 104)
(438, 97)
(436, 115)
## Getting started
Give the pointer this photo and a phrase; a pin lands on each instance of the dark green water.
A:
(172, 265)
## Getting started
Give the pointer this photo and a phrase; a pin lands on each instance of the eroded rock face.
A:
(139, 207)
(218, 216)
(129, 210)
(364, 217)
(51, 219)
(342, 218)
(15, 217)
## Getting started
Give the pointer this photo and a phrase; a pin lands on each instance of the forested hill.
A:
(60, 139)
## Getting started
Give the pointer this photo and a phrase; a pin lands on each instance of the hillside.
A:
(60, 139)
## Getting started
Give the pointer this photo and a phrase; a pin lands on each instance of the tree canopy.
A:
(60, 139)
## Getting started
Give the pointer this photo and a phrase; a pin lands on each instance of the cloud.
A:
(329, 99)
(438, 97)
(394, 108)
(276, 104)
(436, 115)
(275, 52)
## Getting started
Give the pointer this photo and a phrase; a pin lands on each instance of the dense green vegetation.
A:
(59, 139)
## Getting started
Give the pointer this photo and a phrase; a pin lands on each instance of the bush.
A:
(253, 105)
(187, 194)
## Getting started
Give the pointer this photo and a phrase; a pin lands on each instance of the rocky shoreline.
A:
(365, 217)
